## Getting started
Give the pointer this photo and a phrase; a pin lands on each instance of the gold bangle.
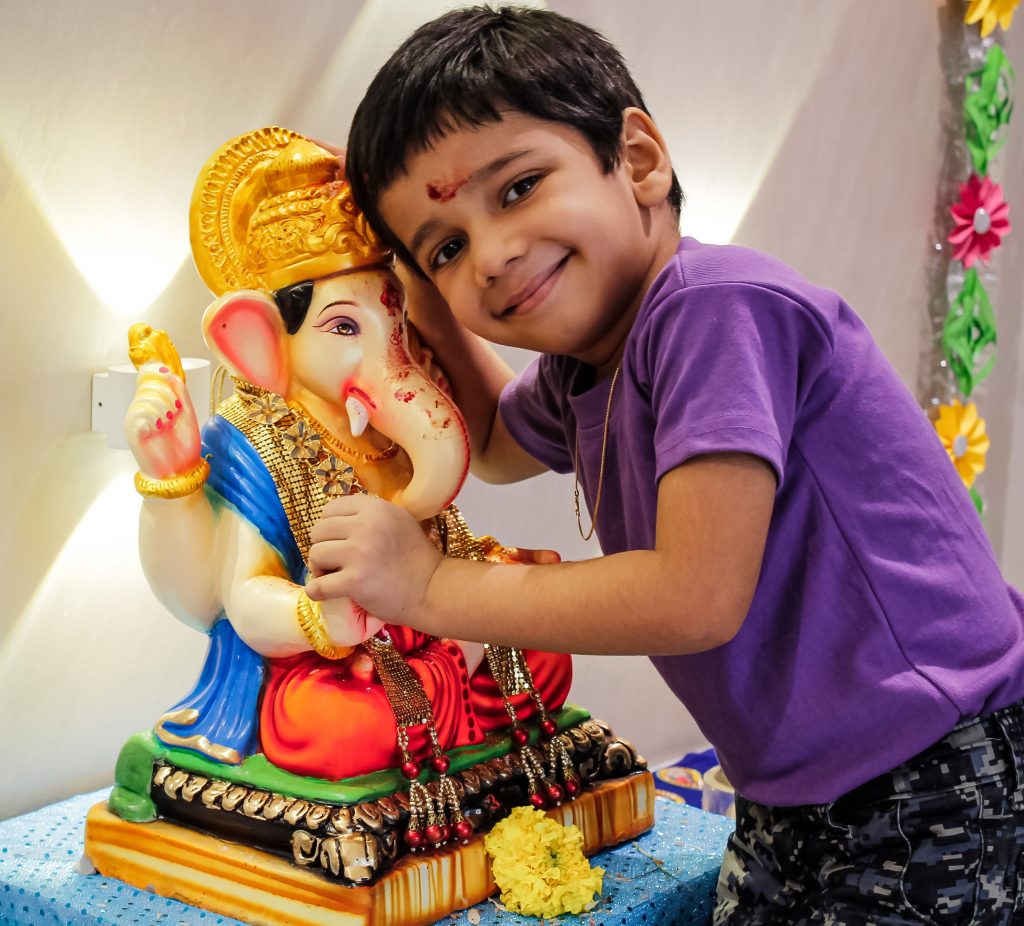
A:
(173, 486)
(311, 621)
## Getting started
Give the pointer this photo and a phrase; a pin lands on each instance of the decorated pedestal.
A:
(241, 841)
(666, 877)
(259, 887)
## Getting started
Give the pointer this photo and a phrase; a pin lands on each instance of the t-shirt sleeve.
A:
(532, 409)
(728, 367)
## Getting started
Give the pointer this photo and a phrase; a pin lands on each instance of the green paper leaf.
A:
(969, 328)
(979, 502)
(988, 105)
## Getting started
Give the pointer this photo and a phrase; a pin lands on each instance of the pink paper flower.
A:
(982, 218)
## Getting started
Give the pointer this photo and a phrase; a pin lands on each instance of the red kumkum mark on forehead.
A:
(390, 299)
(441, 191)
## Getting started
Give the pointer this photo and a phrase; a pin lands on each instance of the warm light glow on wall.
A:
(713, 212)
(126, 259)
(126, 234)
(719, 196)
(87, 566)
(126, 267)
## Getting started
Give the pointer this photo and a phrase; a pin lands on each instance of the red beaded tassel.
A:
(511, 672)
(451, 820)
(433, 820)
(559, 760)
(420, 802)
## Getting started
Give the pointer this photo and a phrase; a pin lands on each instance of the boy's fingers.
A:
(338, 152)
(532, 557)
(344, 505)
(320, 588)
(313, 590)
(327, 555)
(330, 527)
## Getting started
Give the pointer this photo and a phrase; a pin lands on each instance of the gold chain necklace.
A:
(343, 450)
(600, 472)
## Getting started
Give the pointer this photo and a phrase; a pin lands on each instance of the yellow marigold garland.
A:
(539, 865)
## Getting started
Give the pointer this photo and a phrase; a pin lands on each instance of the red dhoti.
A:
(320, 718)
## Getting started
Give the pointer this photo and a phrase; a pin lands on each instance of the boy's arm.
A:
(476, 375)
(691, 593)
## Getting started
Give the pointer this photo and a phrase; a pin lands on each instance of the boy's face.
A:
(529, 241)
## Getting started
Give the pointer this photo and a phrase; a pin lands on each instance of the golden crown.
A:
(270, 209)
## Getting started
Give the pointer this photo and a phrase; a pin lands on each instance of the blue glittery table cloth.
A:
(665, 878)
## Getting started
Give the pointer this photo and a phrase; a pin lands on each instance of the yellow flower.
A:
(539, 865)
(962, 431)
(990, 12)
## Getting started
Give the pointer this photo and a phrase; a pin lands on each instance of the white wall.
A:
(808, 129)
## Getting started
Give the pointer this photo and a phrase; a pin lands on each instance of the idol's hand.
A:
(373, 552)
(347, 623)
(161, 426)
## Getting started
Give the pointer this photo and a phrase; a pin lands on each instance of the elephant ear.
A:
(244, 329)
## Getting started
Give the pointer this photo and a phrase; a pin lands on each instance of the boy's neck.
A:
(604, 366)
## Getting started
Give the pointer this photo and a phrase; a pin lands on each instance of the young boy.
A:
(783, 532)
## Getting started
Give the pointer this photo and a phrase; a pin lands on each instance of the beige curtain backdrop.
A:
(807, 128)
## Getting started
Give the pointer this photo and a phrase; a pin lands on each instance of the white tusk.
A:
(358, 416)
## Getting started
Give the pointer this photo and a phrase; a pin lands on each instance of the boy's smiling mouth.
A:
(535, 291)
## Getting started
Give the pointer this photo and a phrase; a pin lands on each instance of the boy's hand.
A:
(373, 552)
(523, 556)
(338, 152)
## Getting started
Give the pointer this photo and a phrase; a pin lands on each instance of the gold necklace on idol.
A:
(342, 450)
(600, 472)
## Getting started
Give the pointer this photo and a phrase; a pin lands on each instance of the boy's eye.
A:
(520, 188)
(344, 326)
(448, 251)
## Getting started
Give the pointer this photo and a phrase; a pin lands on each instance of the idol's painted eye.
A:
(520, 188)
(343, 325)
(448, 251)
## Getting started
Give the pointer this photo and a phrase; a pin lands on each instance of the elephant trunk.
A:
(417, 415)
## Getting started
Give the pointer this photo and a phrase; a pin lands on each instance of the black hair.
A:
(293, 303)
(464, 69)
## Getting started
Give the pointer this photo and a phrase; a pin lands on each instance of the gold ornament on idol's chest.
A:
(271, 209)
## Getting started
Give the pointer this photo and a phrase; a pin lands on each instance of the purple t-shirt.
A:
(880, 618)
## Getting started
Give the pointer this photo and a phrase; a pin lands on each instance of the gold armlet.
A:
(311, 621)
(173, 486)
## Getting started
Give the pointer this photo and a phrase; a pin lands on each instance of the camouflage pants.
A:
(938, 840)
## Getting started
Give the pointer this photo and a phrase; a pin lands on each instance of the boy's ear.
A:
(645, 157)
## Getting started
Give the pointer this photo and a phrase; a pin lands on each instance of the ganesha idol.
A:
(323, 758)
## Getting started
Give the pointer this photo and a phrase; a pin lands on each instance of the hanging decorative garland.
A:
(963, 321)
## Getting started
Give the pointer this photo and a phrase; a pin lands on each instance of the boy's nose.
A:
(495, 258)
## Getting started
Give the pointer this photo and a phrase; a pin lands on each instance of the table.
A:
(665, 878)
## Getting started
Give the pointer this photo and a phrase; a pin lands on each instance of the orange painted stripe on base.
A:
(224, 877)
(234, 880)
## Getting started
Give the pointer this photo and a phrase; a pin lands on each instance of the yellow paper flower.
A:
(990, 12)
(962, 431)
(539, 865)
